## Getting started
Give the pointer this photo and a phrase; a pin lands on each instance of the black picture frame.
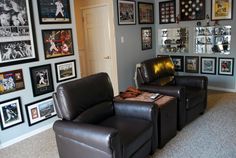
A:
(54, 12)
(65, 70)
(224, 10)
(41, 79)
(226, 66)
(145, 13)
(208, 65)
(40, 110)
(57, 43)
(192, 10)
(11, 113)
(192, 64)
(126, 12)
(18, 41)
(146, 38)
(178, 62)
(167, 12)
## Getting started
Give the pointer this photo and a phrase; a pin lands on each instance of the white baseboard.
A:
(221, 89)
(27, 135)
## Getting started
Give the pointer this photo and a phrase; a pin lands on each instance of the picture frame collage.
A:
(18, 40)
(126, 11)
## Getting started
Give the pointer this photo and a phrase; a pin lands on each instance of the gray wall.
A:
(26, 95)
(217, 82)
(130, 52)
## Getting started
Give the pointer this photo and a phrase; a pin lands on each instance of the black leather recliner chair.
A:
(158, 75)
(93, 125)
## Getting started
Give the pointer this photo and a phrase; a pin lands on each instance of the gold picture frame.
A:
(221, 9)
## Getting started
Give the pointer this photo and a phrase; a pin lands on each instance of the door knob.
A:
(107, 57)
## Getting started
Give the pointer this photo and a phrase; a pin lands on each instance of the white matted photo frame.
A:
(40, 110)
(208, 65)
(126, 12)
(66, 70)
(221, 9)
(226, 66)
(11, 113)
(17, 34)
(54, 11)
(178, 62)
(146, 38)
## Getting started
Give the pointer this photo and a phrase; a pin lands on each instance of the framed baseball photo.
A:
(65, 70)
(126, 12)
(145, 13)
(41, 79)
(178, 62)
(54, 11)
(192, 64)
(221, 9)
(208, 65)
(146, 35)
(40, 110)
(11, 81)
(226, 66)
(17, 34)
(11, 113)
(57, 43)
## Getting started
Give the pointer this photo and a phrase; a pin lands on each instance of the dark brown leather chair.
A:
(158, 75)
(93, 125)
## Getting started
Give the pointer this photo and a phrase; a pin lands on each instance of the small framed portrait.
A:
(208, 65)
(54, 11)
(226, 66)
(57, 43)
(145, 13)
(126, 12)
(40, 110)
(221, 9)
(11, 113)
(146, 36)
(167, 12)
(178, 62)
(192, 10)
(192, 64)
(41, 78)
(11, 81)
(17, 34)
(65, 70)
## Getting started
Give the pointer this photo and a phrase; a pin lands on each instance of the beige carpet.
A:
(213, 135)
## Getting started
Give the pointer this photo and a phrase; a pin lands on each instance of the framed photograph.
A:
(192, 10)
(11, 81)
(126, 12)
(145, 13)
(146, 36)
(54, 11)
(40, 111)
(178, 62)
(221, 9)
(41, 78)
(192, 64)
(57, 43)
(208, 65)
(226, 66)
(17, 34)
(167, 12)
(65, 70)
(11, 113)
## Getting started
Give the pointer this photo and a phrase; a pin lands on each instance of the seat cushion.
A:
(133, 132)
(194, 96)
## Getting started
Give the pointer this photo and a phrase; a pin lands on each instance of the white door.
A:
(99, 42)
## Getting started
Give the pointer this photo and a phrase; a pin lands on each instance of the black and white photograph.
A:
(192, 64)
(146, 36)
(178, 62)
(17, 42)
(54, 11)
(226, 66)
(41, 78)
(208, 65)
(126, 12)
(40, 110)
(11, 113)
(65, 70)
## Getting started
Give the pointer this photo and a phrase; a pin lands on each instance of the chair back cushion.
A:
(156, 68)
(75, 97)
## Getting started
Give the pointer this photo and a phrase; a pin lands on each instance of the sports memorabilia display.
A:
(167, 12)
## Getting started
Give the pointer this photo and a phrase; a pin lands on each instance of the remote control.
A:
(154, 96)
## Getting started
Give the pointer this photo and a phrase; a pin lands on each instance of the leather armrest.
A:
(99, 137)
(192, 81)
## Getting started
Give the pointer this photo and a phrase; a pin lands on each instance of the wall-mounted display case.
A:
(173, 40)
(213, 40)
